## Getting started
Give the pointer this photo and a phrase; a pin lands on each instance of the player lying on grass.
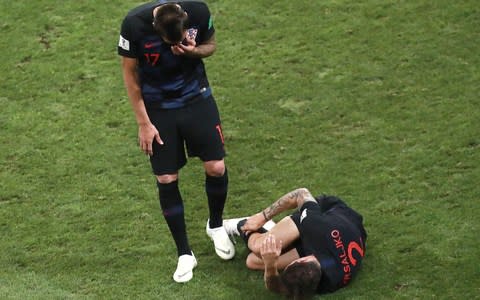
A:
(319, 247)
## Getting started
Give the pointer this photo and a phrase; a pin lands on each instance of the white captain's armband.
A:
(124, 43)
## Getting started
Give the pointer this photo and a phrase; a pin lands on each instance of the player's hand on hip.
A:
(146, 135)
(270, 250)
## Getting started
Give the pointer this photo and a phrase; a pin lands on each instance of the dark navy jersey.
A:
(334, 234)
(168, 80)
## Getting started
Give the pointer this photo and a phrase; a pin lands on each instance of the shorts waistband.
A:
(181, 102)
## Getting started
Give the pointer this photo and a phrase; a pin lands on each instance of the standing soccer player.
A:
(162, 44)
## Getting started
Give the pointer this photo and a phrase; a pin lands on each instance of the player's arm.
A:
(205, 44)
(270, 252)
(130, 78)
(273, 282)
(291, 200)
(146, 131)
(205, 49)
(192, 49)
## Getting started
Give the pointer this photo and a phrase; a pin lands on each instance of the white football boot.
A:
(223, 245)
(185, 266)
(230, 226)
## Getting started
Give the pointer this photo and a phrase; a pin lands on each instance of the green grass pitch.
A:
(374, 101)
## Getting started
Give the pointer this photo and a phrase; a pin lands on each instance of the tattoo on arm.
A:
(290, 200)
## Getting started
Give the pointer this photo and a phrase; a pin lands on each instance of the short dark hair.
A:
(301, 279)
(170, 21)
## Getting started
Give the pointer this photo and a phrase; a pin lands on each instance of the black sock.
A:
(216, 189)
(243, 235)
(171, 204)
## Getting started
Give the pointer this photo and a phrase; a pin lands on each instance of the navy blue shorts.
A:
(196, 127)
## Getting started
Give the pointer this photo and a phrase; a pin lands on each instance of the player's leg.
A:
(171, 203)
(173, 211)
(166, 160)
(204, 139)
(285, 231)
(255, 262)
(216, 188)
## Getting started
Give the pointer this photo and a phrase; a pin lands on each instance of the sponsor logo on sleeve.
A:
(124, 43)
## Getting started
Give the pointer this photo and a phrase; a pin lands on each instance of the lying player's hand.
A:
(253, 223)
(270, 250)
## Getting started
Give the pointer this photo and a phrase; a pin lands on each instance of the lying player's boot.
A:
(223, 245)
(232, 228)
(265, 228)
(185, 266)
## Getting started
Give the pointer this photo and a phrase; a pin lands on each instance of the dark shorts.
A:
(196, 126)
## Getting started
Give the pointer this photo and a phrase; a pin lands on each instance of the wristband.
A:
(265, 216)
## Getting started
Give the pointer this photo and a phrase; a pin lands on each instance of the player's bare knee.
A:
(215, 168)
(167, 178)
(255, 242)
(250, 264)
(253, 262)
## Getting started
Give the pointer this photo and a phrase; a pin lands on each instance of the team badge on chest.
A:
(192, 33)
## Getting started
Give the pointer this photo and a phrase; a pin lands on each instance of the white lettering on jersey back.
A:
(124, 43)
(303, 216)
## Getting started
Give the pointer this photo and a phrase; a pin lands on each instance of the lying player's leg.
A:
(255, 262)
(285, 231)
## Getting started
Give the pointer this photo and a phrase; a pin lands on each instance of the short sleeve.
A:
(205, 21)
(126, 45)
(297, 216)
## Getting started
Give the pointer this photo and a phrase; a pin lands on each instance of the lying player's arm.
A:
(273, 282)
(291, 200)
(270, 252)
